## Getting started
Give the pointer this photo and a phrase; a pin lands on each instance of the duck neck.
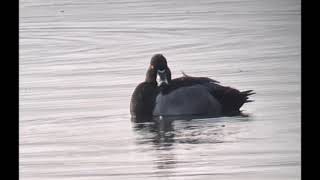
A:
(168, 75)
(151, 76)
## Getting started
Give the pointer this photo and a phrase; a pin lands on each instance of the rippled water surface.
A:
(80, 61)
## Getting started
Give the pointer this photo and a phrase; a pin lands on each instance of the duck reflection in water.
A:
(161, 129)
(160, 134)
(165, 131)
(164, 134)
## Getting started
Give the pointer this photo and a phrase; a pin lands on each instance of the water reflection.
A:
(166, 131)
(166, 134)
(161, 132)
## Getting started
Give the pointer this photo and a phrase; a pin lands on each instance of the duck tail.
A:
(232, 100)
(245, 95)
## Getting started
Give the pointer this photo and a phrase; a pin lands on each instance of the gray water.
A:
(81, 60)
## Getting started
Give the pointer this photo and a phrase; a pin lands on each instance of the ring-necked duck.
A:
(183, 96)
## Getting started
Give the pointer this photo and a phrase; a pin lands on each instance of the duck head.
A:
(158, 70)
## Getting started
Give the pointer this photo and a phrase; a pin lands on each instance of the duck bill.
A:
(162, 77)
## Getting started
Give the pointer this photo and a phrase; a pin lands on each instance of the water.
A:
(80, 61)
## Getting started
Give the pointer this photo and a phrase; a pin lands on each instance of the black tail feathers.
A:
(245, 95)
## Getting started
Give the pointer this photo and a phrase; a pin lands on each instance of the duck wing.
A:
(230, 98)
(185, 81)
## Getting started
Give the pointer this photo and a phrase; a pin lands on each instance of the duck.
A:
(161, 96)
